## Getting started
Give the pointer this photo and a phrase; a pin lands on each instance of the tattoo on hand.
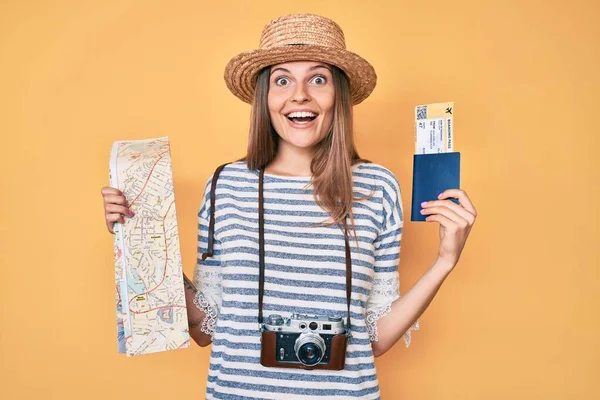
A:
(189, 285)
(195, 323)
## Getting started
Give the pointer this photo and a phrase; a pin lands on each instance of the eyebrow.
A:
(310, 69)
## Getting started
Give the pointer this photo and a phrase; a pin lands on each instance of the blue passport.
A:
(432, 174)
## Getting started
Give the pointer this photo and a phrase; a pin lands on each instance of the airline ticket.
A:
(434, 128)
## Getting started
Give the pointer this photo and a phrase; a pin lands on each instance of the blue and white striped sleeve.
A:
(386, 281)
(207, 273)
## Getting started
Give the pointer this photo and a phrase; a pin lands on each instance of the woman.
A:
(302, 83)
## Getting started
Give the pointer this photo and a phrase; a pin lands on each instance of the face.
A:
(301, 96)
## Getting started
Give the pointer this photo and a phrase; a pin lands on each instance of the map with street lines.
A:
(150, 296)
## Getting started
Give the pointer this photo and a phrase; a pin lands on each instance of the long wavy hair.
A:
(331, 166)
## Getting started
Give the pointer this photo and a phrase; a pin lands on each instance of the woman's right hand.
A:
(115, 207)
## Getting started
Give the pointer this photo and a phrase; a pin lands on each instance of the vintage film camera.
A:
(304, 341)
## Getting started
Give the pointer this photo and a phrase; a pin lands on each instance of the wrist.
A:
(444, 264)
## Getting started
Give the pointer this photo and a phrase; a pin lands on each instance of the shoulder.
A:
(228, 175)
(232, 171)
(237, 167)
(378, 175)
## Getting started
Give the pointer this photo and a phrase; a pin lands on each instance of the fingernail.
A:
(131, 213)
(423, 204)
(422, 211)
(440, 195)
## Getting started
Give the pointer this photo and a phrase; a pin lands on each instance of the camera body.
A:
(304, 341)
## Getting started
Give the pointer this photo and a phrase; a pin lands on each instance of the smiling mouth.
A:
(301, 119)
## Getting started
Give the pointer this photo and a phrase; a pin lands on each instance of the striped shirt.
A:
(305, 272)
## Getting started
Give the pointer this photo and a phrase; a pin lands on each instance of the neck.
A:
(291, 160)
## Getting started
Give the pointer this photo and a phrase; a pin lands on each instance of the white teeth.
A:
(299, 114)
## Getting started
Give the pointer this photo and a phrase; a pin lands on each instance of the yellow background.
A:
(517, 319)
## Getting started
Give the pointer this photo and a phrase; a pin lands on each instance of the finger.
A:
(115, 218)
(445, 222)
(115, 199)
(109, 225)
(446, 212)
(113, 208)
(464, 214)
(462, 197)
(107, 190)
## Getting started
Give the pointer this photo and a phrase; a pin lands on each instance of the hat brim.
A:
(241, 71)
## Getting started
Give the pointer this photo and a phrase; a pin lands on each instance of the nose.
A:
(300, 95)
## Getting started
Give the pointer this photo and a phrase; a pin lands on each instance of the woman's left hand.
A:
(455, 222)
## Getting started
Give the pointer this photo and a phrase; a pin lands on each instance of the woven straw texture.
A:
(300, 37)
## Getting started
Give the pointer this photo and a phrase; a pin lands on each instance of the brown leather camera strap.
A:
(211, 222)
(261, 243)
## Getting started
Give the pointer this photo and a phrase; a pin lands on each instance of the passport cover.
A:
(432, 174)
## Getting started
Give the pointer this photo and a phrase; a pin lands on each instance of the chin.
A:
(304, 144)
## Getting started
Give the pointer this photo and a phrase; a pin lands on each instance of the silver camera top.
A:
(299, 323)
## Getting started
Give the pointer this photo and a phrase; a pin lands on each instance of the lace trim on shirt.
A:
(407, 337)
(385, 287)
(374, 315)
(209, 322)
(210, 280)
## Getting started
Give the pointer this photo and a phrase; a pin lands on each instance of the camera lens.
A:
(313, 326)
(310, 354)
(309, 348)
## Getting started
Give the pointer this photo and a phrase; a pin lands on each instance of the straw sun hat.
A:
(298, 37)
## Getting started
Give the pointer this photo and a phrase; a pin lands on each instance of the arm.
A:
(406, 310)
(195, 315)
(203, 295)
(384, 297)
(456, 222)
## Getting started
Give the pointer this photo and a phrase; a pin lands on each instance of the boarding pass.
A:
(434, 128)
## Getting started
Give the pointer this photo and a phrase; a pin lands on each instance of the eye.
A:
(280, 79)
(320, 80)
